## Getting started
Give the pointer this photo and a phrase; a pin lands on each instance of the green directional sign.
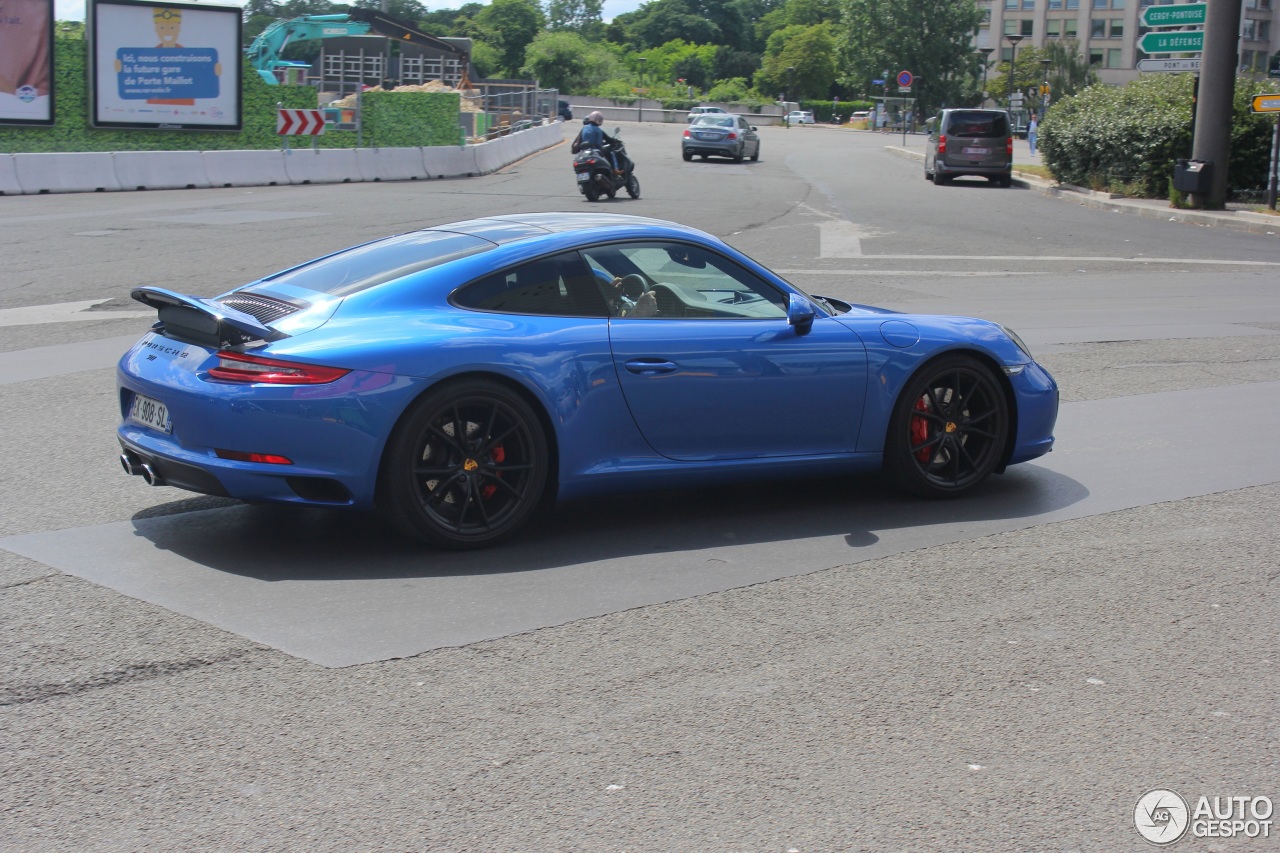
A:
(1183, 15)
(1172, 42)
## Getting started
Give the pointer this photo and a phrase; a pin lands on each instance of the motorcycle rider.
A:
(593, 136)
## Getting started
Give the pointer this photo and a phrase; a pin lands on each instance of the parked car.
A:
(800, 117)
(724, 135)
(563, 110)
(459, 376)
(702, 111)
(859, 115)
(969, 142)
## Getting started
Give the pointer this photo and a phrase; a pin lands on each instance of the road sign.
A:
(1169, 64)
(1171, 41)
(1265, 104)
(300, 122)
(1181, 15)
(904, 79)
(877, 82)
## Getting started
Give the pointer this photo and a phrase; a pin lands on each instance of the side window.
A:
(559, 286)
(670, 281)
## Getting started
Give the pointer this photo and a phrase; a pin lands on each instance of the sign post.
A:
(1270, 104)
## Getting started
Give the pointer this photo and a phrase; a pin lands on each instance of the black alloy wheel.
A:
(948, 429)
(466, 467)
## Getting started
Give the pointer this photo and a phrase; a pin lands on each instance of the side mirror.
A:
(753, 127)
(800, 313)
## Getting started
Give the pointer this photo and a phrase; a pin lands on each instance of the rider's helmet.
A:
(595, 117)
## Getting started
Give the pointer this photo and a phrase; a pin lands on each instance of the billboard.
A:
(164, 65)
(26, 62)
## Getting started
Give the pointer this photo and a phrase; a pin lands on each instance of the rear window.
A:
(714, 121)
(980, 125)
(381, 261)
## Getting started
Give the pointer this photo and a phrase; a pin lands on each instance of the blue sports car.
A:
(457, 377)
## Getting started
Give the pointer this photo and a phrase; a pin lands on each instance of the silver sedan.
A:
(723, 135)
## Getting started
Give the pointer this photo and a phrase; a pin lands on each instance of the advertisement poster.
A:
(170, 66)
(26, 61)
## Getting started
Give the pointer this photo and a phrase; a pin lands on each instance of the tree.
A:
(509, 26)
(693, 21)
(930, 38)
(568, 62)
(581, 16)
(800, 61)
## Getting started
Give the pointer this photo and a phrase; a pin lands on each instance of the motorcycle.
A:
(596, 176)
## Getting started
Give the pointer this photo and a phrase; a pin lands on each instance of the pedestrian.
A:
(1031, 133)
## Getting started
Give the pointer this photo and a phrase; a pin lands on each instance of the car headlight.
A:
(1019, 342)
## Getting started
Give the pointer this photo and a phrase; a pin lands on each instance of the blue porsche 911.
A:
(457, 377)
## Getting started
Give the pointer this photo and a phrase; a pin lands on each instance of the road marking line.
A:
(63, 312)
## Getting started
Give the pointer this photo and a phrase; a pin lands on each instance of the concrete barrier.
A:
(160, 170)
(450, 161)
(66, 173)
(322, 166)
(9, 176)
(489, 156)
(399, 164)
(245, 168)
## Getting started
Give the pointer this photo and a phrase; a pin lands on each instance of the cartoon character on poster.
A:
(168, 73)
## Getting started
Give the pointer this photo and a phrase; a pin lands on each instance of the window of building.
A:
(1117, 4)
(1025, 27)
(1070, 28)
(1010, 5)
(1010, 27)
(1113, 57)
(1095, 57)
(1099, 4)
(1053, 28)
(1028, 5)
(1055, 4)
(986, 18)
(1264, 30)
(1117, 28)
(1073, 4)
(1097, 28)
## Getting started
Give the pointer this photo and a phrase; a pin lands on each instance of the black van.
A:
(969, 142)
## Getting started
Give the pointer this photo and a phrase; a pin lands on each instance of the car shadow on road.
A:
(273, 543)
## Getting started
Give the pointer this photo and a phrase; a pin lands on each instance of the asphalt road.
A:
(848, 670)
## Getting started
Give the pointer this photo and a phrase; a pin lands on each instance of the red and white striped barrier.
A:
(300, 122)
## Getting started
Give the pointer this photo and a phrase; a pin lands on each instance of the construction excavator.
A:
(265, 50)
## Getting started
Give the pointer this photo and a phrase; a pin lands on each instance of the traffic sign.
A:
(300, 122)
(1171, 41)
(904, 79)
(1169, 64)
(1265, 104)
(1181, 15)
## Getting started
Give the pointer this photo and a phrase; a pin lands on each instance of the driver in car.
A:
(622, 305)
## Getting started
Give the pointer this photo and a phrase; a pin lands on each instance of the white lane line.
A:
(62, 360)
(1073, 258)
(930, 273)
(64, 312)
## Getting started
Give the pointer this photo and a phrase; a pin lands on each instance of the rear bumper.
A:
(962, 169)
(723, 149)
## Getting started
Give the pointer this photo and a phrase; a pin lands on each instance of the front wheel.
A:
(633, 186)
(466, 467)
(948, 429)
(592, 192)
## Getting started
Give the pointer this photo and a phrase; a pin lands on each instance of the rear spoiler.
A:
(202, 321)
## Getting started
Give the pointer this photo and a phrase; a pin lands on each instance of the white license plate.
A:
(583, 177)
(982, 151)
(152, 413)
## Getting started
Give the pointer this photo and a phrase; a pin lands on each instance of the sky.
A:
(73, 10)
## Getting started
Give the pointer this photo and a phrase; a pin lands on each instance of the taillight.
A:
(942, 144)
(1008, 146)
(687, 134)
(240, 367)
(246, 456)
(732, 135)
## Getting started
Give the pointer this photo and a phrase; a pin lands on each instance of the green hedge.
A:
(392, 119)
(1131, 136)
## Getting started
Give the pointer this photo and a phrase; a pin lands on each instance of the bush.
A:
(1131, 136)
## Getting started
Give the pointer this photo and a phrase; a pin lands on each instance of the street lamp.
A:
(986, 60)
(640, 99)
(1013, 56)
(791, 75)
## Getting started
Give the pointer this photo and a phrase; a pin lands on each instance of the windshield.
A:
(714, 121)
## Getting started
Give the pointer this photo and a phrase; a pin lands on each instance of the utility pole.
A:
(1218, 61)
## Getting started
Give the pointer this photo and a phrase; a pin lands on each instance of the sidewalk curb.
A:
(1253, 223)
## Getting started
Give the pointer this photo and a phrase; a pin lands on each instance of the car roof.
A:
(510, 227)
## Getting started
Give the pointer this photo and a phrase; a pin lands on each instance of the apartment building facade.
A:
(1108, 31)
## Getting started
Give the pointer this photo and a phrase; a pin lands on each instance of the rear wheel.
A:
(948, 429)
(687, 155)
(633, 186)
(756, 154)
(466, 467)
(737, 158)
(592, 192)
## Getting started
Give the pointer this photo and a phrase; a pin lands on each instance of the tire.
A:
(469, 492)
(1005, 182)
(755, 158)
(737, 158)
(687, 155)
(633, 186)
(948, 430)
(592, 192)
(941, 180)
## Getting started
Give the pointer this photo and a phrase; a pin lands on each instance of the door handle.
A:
(650, 366)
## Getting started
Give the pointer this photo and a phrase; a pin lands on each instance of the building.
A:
(1108, 31)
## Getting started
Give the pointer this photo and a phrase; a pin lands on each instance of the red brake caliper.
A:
(920, 431)
(497, 456)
